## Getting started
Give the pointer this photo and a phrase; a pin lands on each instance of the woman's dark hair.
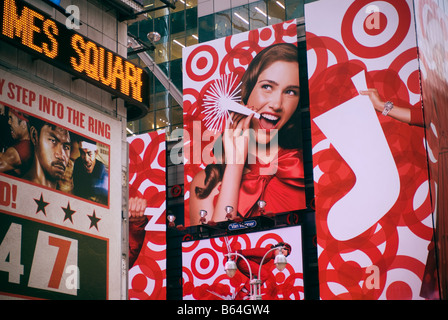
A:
(289, 136)
(287, 246)
(277, 52)
(213, 175)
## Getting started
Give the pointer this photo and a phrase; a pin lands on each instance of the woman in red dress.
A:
(262, 158)
(252, 264)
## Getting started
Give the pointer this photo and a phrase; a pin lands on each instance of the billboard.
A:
(242, 126)
(147, 235)
(373, 214)
(432, 36)
(204, 276)
(61, 196)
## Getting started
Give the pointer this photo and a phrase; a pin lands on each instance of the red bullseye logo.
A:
(360, 25)
(204, 264)
(202, 63)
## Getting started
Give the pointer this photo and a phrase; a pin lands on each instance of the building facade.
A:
(120, 87)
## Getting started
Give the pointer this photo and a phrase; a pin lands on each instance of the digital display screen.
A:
(29, 29)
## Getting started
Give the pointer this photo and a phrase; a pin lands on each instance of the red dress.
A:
(282, 186)
(254, 257)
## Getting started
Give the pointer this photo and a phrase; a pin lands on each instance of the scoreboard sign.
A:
(28, 28)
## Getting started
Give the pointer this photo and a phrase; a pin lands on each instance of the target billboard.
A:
(242, 126)
(373, 210)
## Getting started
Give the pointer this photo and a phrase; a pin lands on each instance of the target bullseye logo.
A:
(202, 63)
(204, 264)
(373, 39)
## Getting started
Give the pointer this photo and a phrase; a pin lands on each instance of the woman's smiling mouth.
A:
(268, 121)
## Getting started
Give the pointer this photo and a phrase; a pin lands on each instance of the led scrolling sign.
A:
(27, 28)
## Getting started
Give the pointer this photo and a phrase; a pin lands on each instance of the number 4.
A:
(10, 253)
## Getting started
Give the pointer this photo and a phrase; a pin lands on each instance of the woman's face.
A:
(275, 97)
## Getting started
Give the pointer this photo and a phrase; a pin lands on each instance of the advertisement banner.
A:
(205, 278)
(60, 196)
(432, 34)
(373, 214)
(147, 235)
(242, 126)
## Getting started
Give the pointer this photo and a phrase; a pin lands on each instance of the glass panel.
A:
(257, 15)
(191, 18)
(160, 100)
(206, 28)
(179, 132)
(132, 127)
(192, 39)
(149, 4)
(177, 21)
(161, 53)
(294, 9)
(176, 73)
(240, 19)
(180, 6)
(147, 123)
(158, 87)
(191, 3)
(172, 24)
(177, 44)
(223, 26)
(161, 26)
(177, 115)
(162, 118)
(133, 29)
(276, 11)
(161, 12)
(145, 27)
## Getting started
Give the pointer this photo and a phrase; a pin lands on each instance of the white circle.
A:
(203, 54)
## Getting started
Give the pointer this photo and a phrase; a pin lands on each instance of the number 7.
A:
(61, 259)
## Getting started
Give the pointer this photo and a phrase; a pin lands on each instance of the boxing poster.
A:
(204, 276)
(60, 195)
(147, 234)
(242, 127)
(373, 213)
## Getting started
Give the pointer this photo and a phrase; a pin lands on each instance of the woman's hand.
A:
(402, 114)
(375, 98)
